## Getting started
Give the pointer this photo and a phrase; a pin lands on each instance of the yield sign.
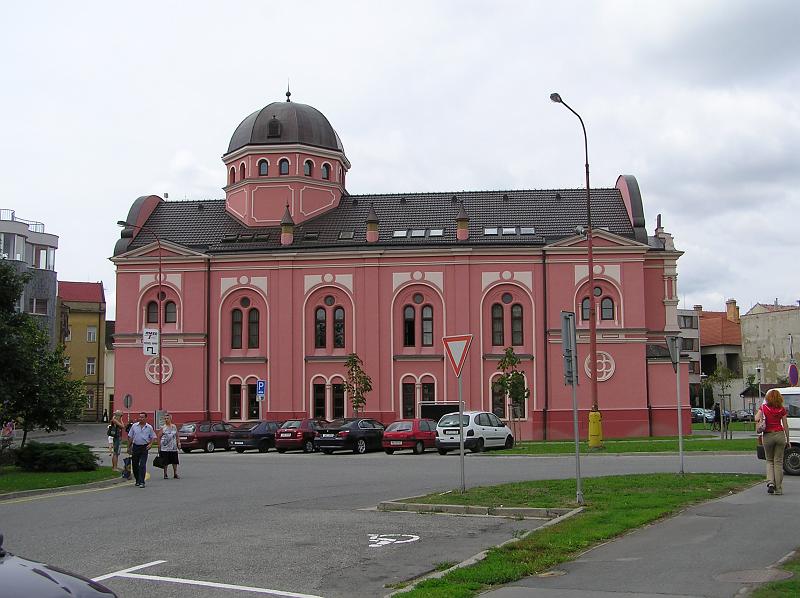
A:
(457, 348)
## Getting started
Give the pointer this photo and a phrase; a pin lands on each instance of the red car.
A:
(297, 434)
(415, 434)
(206, 435)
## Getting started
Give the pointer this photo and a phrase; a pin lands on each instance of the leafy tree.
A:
(512, 381)
(35, 388)
(358, 383)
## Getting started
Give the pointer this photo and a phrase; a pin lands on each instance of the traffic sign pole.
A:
(461, 434)
(457, 348)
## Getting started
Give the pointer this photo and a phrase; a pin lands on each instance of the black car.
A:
(21, 577)
(253, 435)
(357, 434)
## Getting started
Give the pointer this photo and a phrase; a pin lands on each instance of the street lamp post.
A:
(160, 299)
(595, 440)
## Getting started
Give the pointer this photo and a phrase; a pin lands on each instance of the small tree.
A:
(358, 383)
(512, 381)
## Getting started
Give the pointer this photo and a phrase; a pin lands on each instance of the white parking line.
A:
(195, 582)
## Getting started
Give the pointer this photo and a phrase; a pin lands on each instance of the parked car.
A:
(358, 434)
(206, 435)
(255, 435)
(415, 434)
(743, 415)
(698, 415)
(482, 430)
(23, 577)
(296, 434)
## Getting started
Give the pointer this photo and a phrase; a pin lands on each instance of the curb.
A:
(510, 512)
(62, 489)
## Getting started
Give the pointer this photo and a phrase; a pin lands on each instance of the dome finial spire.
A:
(288, 92)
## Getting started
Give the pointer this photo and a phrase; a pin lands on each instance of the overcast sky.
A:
(102, 102)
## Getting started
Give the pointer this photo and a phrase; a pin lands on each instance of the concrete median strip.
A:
(510, 512)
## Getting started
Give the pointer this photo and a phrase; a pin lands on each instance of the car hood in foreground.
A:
(21, 577)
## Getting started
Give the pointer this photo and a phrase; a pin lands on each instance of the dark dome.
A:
(281, 123)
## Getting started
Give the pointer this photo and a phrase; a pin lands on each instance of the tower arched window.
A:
(236, 329)
(308, 168)
(232, 176)
(607, 309)
(152, 312)
(409, 318)
(263, 168)
(320, 328)
(326, 171)
(497, 325)
(170, 312)
(517, 336)
(338, 328)
(253, 318)
(427, 326)
(241, 171)
(283, 166)
(585, 309)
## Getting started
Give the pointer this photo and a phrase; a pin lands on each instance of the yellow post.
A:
(595, 429)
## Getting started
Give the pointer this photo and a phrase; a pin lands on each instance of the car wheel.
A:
(327, 451)
(419, 448)
(187, 450)
(281, 451)
(227, 448)
(308, 446)
(361, 446)
(389, 451)
(209, 448)
(791, 461)
(240, 450)
(478, 447)
(442, 451)
(263, 447)
(509, 442)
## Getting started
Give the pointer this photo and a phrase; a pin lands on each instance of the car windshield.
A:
(246, 426)
(452, 420)
(292, 423)
(399, 427)
(188, 428)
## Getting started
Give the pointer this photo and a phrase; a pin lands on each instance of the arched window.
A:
(607, 309)
(516, 325)
(283, 166)
(338, 328)
(170, 312)
(497, 325)
(252, 329)
(409, 317)
(320, 328)
(232, 176)
(585, 309)
(152, 312)
(263, 168)
(241, 171)
(236, 329)
(427, 326)
(308, 168)
(326, 171)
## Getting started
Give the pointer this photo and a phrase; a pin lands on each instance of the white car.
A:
(482, 430)
(791, 456)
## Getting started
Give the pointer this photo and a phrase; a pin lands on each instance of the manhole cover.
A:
(754, 576)
(553, 573)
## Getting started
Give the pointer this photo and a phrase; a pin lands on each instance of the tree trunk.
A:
(24, 437)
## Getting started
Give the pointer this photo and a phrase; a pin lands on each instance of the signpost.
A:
(674, 346)
(261, 389)
(127, 401)
(150, 342)
(569, 350)
(457, 348)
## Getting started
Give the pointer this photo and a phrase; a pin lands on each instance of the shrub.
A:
(60, 456)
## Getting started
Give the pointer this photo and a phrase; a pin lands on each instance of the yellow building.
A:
(82, 314)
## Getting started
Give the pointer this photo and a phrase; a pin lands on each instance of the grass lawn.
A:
(13, 479)
(614, 505)
(633, 445)
(735, 426)
(787, 587)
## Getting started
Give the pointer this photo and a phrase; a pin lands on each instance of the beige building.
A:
(765, 340)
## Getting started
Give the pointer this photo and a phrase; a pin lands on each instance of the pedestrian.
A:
(717, 425)
(115, 429)
(775, 438)
(140, 439)
(168, 446)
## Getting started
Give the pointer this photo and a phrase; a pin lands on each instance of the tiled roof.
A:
(760, 308)
(553, 215)
(88, 292)
(716, 329)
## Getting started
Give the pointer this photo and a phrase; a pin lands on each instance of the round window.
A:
(329, 300)
(245, 302)
(598, 291)
(418, 298)
(507, 298)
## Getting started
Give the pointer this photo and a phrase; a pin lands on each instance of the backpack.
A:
(112, 431)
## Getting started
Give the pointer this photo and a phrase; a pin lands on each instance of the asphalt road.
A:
(294, 523)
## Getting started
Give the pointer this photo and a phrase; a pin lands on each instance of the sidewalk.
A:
(710, 550)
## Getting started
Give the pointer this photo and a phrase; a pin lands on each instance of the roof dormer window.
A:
(490, 231)
(274, 127)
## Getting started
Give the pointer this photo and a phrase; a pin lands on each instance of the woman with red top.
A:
(776, 437)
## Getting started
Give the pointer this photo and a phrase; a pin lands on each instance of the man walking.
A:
(140, 439)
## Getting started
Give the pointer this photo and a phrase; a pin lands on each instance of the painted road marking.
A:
(127, 573)
(378, 540)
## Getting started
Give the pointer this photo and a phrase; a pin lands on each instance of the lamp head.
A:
(122, 223)
(556, 98)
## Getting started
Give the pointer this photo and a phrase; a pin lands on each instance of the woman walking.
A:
(168, 446)
(775, 438)
(115, 438)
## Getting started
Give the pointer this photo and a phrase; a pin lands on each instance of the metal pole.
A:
(579, 486)
(461, 433)
(680, 419)
(160, 318)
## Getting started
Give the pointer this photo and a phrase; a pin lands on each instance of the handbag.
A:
(761, 426)
(157, 462)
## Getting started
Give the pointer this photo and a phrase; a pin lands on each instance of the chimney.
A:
(462, 224)
(372, 225)
(697, 307)
(287, 228)
(732, 310)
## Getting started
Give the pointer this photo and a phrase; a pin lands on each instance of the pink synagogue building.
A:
(290, 273)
